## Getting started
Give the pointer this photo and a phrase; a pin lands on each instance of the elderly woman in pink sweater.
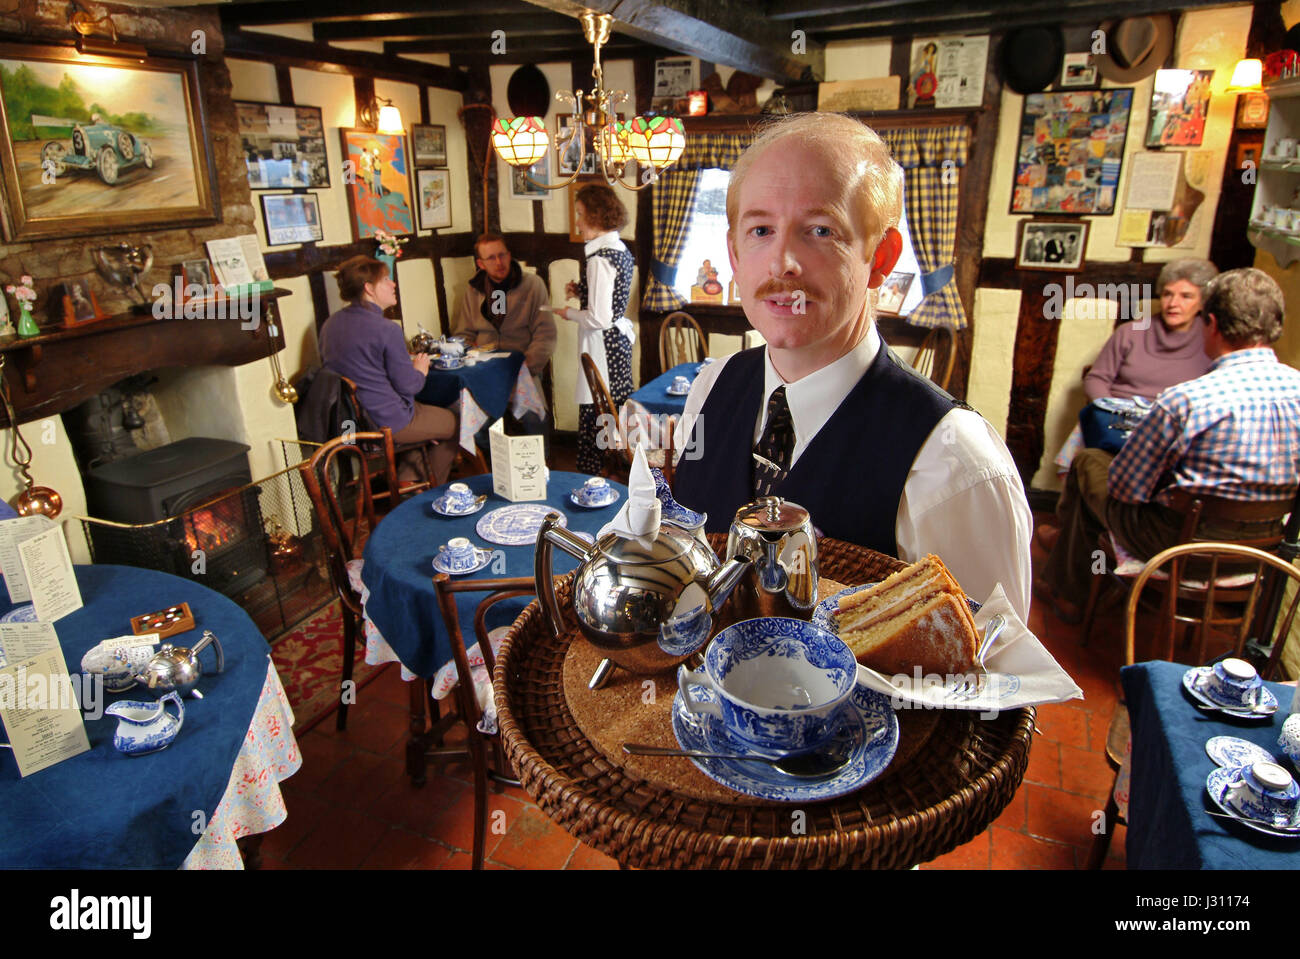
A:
(1142, 359)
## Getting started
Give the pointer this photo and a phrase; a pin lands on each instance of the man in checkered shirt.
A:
(1233, 433)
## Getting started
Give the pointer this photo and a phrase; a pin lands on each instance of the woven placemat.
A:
(632, 708)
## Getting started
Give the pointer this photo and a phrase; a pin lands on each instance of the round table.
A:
(103, 810)
(942, 795)
(398, 569)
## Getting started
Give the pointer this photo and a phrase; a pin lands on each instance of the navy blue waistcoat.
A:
(850, 477)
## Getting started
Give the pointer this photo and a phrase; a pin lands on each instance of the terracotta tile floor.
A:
(351, 805)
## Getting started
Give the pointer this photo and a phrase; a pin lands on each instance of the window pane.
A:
(704, 257)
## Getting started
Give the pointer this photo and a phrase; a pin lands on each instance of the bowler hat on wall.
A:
(1032, 58)
(528, 93)
(1136, 47)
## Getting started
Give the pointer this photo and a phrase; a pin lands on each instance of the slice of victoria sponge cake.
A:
(916, 617)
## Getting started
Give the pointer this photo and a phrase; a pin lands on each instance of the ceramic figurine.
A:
(144, 727)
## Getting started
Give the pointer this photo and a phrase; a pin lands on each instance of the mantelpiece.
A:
(58, 369)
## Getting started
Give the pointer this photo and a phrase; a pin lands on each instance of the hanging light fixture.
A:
(654, 142)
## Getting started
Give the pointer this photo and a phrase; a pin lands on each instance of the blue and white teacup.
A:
(445, 362)
(681, 384)
(780, 683)
(595, 491)
(458, 496)
(1289, 739)
(459, 554)
(1264, 791)
(1233, 682)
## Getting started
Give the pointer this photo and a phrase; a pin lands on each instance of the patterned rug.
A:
(309, 659)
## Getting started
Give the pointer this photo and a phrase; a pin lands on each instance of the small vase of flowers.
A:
(26, 296)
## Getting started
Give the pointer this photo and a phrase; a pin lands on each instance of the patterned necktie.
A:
(773, 449)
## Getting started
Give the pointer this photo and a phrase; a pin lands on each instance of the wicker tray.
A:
(922, 807)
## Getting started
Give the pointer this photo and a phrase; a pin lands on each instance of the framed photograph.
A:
(74, 303)
(1051, 246)
(1252, 111)
(379, 191)
(284, 147)
(1180, 100)
(1077, 72)
(894, 291)
(433, 192)
(196, 272)
(94, 144)
(1071, 151)
(676, 77)
(291, 218)
(1248, 152)
(540, 172)
(429, 144)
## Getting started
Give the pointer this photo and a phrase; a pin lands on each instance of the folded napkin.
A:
(640, 516)
(1021, 672)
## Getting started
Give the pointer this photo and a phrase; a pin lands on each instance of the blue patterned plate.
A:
(1231, 752)
(25, 613)
(868, 731)
(516, 525)
(1193, 682)
(1217, 783)
(824, 614)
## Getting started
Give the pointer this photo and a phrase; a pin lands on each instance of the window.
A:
(704, 271)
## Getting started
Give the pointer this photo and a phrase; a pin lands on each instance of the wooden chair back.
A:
(423, 447)
(338, 481)
(937, 355)
(1208, 612)
(467, 705)
(681, 341)
(618, 458)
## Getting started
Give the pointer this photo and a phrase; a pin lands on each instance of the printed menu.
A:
(13, 532)
(38, 704)
(50, 577)
(518, 464)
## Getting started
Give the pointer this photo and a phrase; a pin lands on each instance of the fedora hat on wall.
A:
(1136, 47)
(1032, 58)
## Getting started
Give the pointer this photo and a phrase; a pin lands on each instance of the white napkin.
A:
(640, 516)
(1022, 672)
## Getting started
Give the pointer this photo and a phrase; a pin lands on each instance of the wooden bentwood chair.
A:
(681, 341)
(466, 696)
(619, 452)
(338, 478)
(1207, 611)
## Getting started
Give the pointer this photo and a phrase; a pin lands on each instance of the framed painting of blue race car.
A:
(93, 144)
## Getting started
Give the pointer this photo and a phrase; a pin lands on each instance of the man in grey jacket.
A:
(505, 304)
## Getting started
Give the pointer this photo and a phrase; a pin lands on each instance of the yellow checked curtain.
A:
(674, 198)
(932, 160)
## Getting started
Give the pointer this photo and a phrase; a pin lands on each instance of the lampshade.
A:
(613, 140)
(657, 141)
(520, 141)
(1247, 77)
(390, 120)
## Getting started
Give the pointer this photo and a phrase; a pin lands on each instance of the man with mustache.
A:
(825, 414)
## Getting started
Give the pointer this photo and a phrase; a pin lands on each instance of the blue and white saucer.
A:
(609, 500)
(1218, 783)
(482, 558)
(824, 614)
(1194, 683)
(516, 525)
(441, 507)
(448, 363)
(868, 731)
(1233, 753)
(672, 392)
(26, 613)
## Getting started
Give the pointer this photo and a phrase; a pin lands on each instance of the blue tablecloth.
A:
(101, 809)
(654, 396)
(490, 382)
(1167, 825)
(399, 570)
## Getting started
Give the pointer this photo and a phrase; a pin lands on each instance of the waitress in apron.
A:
(603, 330)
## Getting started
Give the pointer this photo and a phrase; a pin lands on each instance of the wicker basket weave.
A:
(943, 796)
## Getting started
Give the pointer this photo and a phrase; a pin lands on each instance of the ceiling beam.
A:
(799, 9)
(336, 11)
(718, 31)
(941, 17)
(472, 25)
(328, 59)
(538, 49)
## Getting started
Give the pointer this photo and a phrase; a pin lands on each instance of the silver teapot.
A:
(644, 609)
(777, 538)
(178, 667)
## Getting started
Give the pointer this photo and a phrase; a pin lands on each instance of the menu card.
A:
(52, 582)
(518, 464)
(13, 532)
(38, 708)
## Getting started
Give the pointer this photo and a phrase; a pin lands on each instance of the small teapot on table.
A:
(178, 668)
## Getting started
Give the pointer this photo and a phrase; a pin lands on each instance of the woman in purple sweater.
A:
(359, 342)
(1144, 359)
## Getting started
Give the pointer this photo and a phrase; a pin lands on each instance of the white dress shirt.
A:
(962, 500)
(599, 315)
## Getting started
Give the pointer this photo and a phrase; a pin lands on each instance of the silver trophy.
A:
(122, 265)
